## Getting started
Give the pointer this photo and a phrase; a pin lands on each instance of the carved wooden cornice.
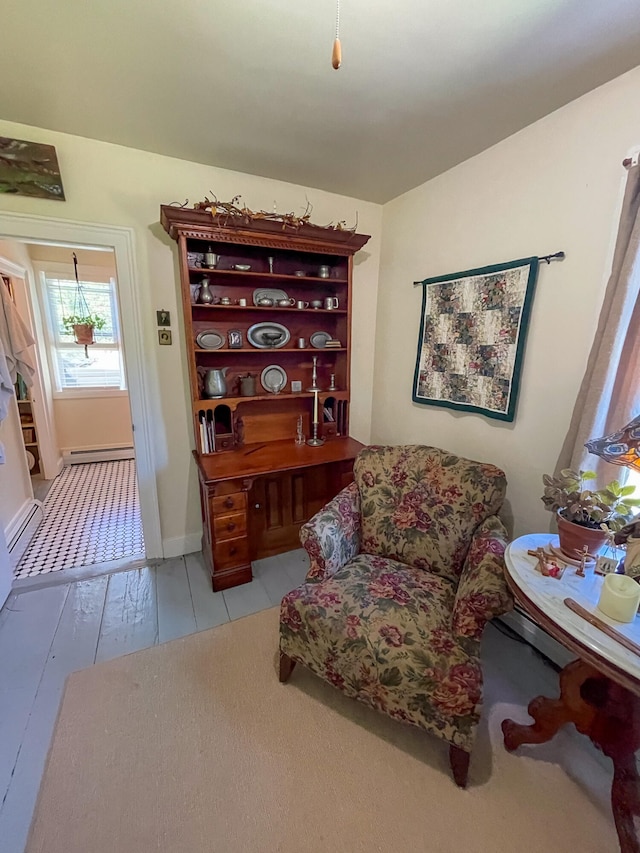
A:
(200, 225)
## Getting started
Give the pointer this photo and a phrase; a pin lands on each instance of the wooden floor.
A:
(50, 629)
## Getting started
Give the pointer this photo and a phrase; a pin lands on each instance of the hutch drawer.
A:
(229, 526)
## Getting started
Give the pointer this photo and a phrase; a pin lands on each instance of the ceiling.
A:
(248, 84)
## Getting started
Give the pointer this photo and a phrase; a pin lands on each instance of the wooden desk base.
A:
(255, 499)
(608, 714)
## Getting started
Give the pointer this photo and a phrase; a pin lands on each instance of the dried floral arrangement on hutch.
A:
(267, 316)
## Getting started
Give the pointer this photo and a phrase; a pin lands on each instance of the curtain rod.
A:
(556, 256)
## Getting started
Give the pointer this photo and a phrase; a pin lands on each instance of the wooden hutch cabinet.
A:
(257, 485)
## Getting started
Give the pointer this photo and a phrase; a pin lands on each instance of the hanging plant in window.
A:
(82, 323)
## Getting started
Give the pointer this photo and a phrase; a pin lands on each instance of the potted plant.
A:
(82, 326)
(586, 516)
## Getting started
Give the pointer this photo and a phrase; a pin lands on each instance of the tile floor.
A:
(91, 515)
(51, 626)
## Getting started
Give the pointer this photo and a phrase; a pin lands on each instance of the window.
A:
(101, 367)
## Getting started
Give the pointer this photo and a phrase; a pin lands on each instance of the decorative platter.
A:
(319, 339)
(210, 339)
(269, 293)
(31, 460)
(273, 378)
(268, 335)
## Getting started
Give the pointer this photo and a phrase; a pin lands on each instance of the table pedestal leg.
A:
(610, 716)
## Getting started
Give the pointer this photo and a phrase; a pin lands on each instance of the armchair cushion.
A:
(380, 631)
(420, 505)
(332, 537)
(482, 592)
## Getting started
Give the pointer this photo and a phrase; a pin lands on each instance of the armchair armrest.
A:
(482, 592)
(332, 537)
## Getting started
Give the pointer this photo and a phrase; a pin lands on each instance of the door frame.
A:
(141, 373)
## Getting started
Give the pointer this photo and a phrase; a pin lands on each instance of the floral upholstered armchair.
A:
(406, 570)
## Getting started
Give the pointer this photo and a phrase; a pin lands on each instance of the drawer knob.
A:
(231, 526)
(228, 503)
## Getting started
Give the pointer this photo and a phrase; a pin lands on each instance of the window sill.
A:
(86, 393)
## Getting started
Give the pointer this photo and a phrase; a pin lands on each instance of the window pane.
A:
(64, 302)
(101, 369)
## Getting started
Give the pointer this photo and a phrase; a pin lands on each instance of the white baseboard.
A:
(526, 628)
(21, 529)
(179, 545)
(79, 455)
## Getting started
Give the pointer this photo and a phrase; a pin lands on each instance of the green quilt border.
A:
(509, 415)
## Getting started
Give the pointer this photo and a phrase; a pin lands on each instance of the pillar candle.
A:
(619, 598)
(315, 408)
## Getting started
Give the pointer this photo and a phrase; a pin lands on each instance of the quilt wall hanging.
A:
(473, 329)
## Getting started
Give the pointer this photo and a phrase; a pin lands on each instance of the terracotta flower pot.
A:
(83, 334)
(573, 538)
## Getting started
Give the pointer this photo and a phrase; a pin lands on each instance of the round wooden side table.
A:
(599, 692)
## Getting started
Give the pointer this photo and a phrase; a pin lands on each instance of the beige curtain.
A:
(609, 396)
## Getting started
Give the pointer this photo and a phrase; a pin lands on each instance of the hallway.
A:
(91, 515)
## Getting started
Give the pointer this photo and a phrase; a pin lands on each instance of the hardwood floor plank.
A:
(130, 620)
(25, 641)
(176, 616)
(246, 598)
(274, 577)
(297, 565)
(208, 606)
(73, 647)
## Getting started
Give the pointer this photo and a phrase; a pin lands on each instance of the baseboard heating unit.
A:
(96, 454)
(526, 628)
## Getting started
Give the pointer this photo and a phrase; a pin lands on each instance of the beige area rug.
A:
(195, 747)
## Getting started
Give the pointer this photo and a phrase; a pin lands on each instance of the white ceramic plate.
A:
(273, 378)
(31, 460)
(210, 339)
(268, 293)
(319, 339)
(268, 335)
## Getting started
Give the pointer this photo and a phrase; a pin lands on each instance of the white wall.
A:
(114, 185)
(555, 185)
(91, 423)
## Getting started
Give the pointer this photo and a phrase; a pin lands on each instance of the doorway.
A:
(120, 471)
(91, 508)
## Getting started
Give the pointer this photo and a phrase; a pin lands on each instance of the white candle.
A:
(315, 407)
(619, 598)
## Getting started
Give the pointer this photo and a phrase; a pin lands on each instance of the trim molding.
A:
(177, 546)
(21, 529)
(141, 371)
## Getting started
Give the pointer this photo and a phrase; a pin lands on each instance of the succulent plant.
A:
(610, 508)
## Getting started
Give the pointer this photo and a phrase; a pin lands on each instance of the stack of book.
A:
(332, 344)
(207, 431)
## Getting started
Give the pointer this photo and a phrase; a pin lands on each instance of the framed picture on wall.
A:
(29, 168)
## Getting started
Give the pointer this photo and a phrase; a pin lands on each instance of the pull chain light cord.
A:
(336, 56)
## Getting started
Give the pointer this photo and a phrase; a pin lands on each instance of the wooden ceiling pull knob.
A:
(336, 56)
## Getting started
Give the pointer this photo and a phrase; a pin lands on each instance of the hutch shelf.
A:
(257, 486)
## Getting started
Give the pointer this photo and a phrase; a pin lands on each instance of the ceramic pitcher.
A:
(215, 384)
